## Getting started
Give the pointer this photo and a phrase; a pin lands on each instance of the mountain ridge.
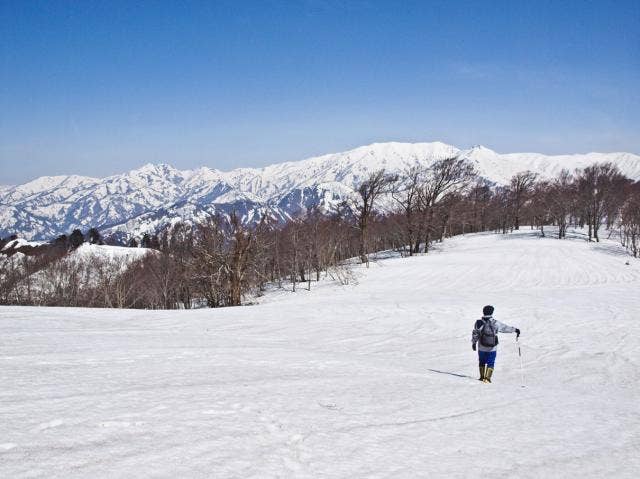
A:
(145, 198)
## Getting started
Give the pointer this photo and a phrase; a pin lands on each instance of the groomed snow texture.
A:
(374, 379)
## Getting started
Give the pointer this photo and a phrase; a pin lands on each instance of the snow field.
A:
(109, 253)
(374, 379)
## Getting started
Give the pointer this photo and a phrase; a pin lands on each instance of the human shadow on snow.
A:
(450, 373)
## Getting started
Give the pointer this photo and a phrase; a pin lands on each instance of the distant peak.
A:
(155, 168)
(404, 143)
(480, 148)
(400, 147)
(480, 151)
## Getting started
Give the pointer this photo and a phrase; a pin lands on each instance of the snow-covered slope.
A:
(146, 198)
(19, 243)
(500, 168)
(108, 253)
(374, 379)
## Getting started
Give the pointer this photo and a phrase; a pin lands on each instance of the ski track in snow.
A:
(374, 379)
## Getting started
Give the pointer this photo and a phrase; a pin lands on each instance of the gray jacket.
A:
(497, 325)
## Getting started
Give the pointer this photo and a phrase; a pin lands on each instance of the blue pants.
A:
(487, 357)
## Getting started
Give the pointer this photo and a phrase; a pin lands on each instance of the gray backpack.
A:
(489, 334)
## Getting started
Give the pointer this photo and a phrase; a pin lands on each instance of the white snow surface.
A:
(19, 243)
(108, 252)
(374, 379)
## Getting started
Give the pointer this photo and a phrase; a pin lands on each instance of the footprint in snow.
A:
(7, 446)
(157, 409)
(51, 424)
(218, 412)
(121, 424)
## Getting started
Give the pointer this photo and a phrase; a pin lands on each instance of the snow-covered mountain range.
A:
(149, 197)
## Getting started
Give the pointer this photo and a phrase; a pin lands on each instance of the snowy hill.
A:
(374, 379)
(151, 196)
(19, 243)
(500, 168)
(108, 253)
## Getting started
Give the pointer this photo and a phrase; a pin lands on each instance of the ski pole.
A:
(521, 367)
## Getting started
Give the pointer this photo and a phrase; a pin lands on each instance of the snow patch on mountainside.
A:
(19, 243)
(108, 253)
(47, 188)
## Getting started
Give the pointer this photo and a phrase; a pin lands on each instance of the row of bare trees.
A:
(593, 197)
(219, 262)
(425, 197)
(630, 222)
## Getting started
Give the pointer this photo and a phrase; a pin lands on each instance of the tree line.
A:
(221, 261)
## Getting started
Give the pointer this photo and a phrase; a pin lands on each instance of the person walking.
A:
(484, 338)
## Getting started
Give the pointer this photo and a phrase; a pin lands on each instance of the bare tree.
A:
(560, 198)
(520, 187)
(368, 192)
(406, 193)
(210, 260)
(242, 242)
(445, 177)
(630, 221)
(597, 193)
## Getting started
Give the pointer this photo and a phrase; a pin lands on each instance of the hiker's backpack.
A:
(489, 334)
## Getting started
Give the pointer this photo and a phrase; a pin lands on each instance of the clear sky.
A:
(101, 87)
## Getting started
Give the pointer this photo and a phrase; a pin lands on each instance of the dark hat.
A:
(487, 310)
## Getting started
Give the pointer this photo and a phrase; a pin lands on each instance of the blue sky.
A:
(98, 88)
